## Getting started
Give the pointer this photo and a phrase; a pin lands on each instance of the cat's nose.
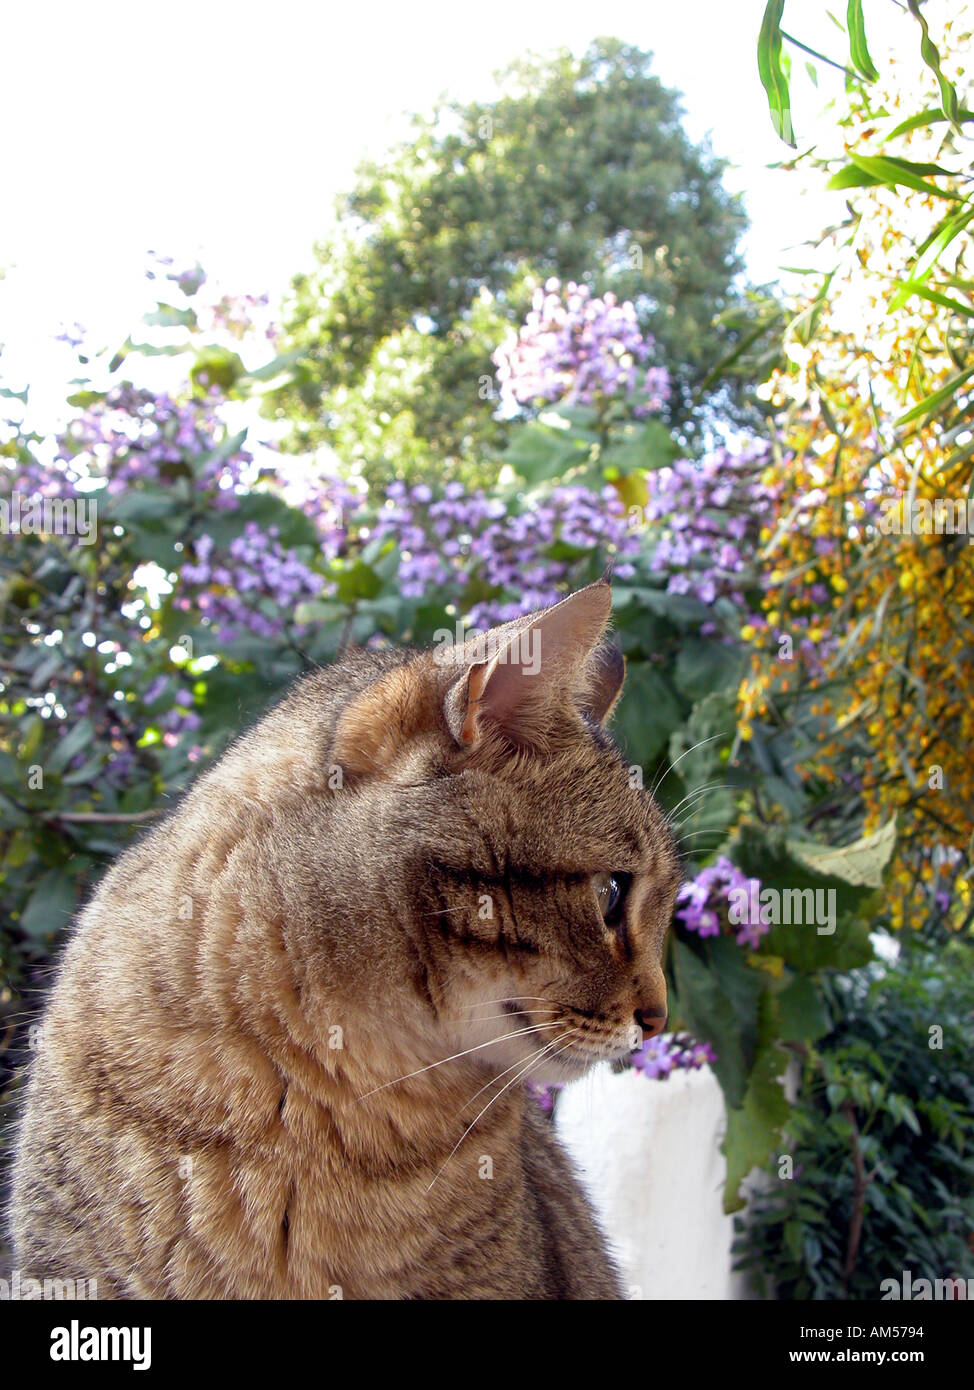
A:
(651, 1021)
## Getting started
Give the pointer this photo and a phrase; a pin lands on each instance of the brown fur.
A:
(192, 1130)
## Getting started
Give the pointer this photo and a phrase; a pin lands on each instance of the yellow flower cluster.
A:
(869, 570)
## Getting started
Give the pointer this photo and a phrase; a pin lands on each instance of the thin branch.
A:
(821, 56)
(860, 1186)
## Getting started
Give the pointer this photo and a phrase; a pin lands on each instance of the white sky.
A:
(221, 131)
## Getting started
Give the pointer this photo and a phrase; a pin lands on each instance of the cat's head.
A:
(535, 876)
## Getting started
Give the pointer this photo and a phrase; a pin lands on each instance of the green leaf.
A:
(357, 580)
(321, 611)
(647, 714)
(754, 1128)
(930, 117)
(858, 50)
(932, 403)
(930, 55)
(860, 864)
(894, 172)
(650, 446)
(276, 366)
(141, 504)
(266, 509)
(852, 177)
(908, 288)
(539, 453)
(217, 366)
(759, 851)
(772, 73)
(803, 1015)
(68, 747)
(696, 748)
(939, 239)
(230, 444)
(168, 316)
(50, 905)
(703, 667)
(718, 995)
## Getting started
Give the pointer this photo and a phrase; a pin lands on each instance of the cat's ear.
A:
(518, 673)
(605, 677)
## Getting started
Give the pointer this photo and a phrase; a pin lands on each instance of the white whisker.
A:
(663, 776)
(536, 1028)
(509, 999)
(530, 1065)
(554, 1042)
(486, 1018)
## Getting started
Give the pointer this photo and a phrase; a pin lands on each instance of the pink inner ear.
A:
(505, 688)
(536, 664)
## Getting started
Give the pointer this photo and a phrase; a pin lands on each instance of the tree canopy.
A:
(580, 169)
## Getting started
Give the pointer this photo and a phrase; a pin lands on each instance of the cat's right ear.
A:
(519, 674)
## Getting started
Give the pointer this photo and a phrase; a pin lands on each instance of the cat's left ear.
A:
(605, 677)
(519, 673)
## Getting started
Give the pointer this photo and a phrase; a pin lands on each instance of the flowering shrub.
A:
(710, 516)
(580, 350)
(706, 900)
(131, 436)
(862, 651)
(467, 542)
(251, 587)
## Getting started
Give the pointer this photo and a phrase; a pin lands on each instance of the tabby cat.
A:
(286, 1050)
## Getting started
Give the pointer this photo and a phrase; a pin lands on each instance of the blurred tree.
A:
(580, 170)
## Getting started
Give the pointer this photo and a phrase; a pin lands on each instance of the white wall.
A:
(649, 1155)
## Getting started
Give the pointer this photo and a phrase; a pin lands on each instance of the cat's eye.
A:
(610, 892)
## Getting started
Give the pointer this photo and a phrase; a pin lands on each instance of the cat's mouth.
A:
(572, 1052)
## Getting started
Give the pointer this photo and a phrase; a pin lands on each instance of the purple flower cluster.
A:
(33, 479)
(333, 505)
(660, 1056)
(180, 719)
(581, 350)
(251, 587)
(706, 903)
(237, 314)
(136, 436)
(711, 514)
(461, 535)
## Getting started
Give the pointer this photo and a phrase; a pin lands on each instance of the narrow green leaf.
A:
(892, 172)
(852, 177)
(929, 117)
(938, 398)
(772, 72)
(960, 455)
(937, 242)
(930, 55)
(908, 288)
(858, 49)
